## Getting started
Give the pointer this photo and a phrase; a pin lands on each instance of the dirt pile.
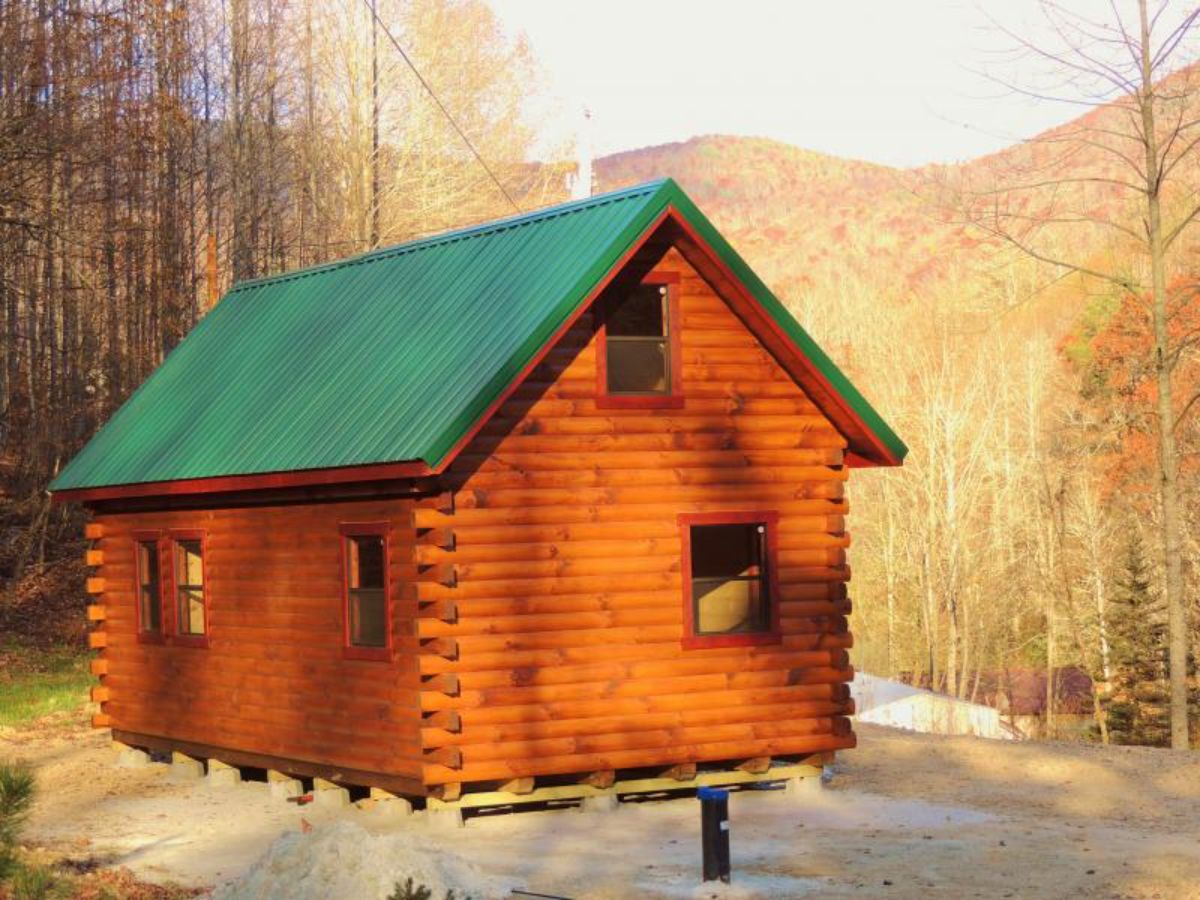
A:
(344, 860)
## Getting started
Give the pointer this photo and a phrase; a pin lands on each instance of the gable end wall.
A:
(565, 654)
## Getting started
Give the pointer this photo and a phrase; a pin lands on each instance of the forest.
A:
(153, 153)
(1028, 322)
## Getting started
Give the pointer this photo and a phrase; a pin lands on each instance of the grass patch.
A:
(36, 683)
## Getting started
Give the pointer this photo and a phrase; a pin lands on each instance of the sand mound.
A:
(344, 860)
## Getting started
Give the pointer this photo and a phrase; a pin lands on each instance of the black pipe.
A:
(714, 832)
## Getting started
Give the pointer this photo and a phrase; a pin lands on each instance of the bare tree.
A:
(1123, 178)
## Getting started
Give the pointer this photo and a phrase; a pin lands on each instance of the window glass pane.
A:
(191, 611)
(189, 564)
(729, 607)
(366, 561)
(148, 579)
(189, 587)
(637, 367)
(368, 618)
(641, 314)
(724, 550)
(729, 588)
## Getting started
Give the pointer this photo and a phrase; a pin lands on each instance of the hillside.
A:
(795, 214)
(1022, 389)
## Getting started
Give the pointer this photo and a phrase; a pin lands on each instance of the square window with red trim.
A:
(638, 364)
(730, 583)
(367, 602)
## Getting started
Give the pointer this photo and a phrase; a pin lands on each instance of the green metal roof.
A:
(389, 356)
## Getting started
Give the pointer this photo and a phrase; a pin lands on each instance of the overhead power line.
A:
(440, 105)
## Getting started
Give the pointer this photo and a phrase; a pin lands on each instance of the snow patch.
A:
(886, 702)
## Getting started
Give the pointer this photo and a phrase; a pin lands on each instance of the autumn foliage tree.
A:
(153, 151)
(1122, 183)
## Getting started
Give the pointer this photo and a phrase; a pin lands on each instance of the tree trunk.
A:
(1168, 462)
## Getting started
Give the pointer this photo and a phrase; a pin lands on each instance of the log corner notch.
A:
(437, 647)
(433, 553)
(97, 615)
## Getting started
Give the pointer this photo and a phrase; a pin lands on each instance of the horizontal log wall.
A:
(272, 680)
(564, 652)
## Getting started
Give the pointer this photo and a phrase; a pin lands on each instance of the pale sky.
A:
(892, 81)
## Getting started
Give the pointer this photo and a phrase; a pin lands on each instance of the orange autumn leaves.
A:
(1120, 386)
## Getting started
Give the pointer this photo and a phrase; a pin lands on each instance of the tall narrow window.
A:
(730, 593)
(368, 634)
(149, 587)
(191, 611)
(638, 348)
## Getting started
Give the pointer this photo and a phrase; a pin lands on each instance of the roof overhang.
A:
(264, 481)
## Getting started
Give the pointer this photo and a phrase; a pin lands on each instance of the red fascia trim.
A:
(176, 638)
(363, 529)
(566, 326)
(773, 635)
(140, 537)
(673, 400)
(303, 478)
(753, 315)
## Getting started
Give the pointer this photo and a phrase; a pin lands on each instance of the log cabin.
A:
(552, 497)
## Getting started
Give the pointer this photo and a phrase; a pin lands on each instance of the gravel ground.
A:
(907, 816)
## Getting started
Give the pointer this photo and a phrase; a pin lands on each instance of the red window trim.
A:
(362, 529)
(673, 400)
(693, 641)
(189, 640)
(145, 636)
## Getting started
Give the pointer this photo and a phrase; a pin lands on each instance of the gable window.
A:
(366, 607)
(191, 600)
(638, 348)
(149, 586)
(730, 587)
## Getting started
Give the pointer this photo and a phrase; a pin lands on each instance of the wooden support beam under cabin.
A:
(477, 799)
(601, 778)
(518, 786)
(681, 772)
(756, 765)
(101, 720)
(397, 784)
(447, 793)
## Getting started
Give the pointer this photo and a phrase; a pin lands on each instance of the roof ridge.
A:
(470, 231)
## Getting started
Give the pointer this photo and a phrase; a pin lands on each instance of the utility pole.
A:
(374, 126)
(581, 188)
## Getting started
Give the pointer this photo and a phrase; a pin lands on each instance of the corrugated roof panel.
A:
(385, 357)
